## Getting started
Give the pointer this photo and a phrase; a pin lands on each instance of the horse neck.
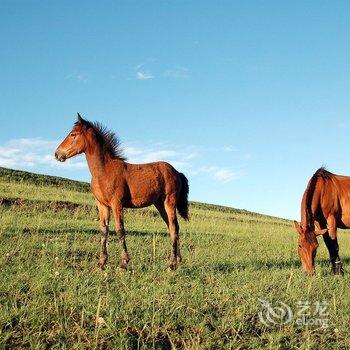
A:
(95, 162)
(305, 217)
(310, 199)
(96, 159)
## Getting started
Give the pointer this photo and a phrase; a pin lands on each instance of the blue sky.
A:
(247, 98)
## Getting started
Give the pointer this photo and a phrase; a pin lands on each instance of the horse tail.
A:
(182, 202)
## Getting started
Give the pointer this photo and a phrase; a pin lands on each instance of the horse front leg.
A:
(104, 213)
(119, 229)
(331, 241)
(333, 248)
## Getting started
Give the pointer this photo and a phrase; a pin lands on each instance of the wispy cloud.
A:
(77, 77)
(224, 175)
(143, 75)
(179, 159)
(228, 148)
(143, 72)
(221, 174)
(345, 125)
(33, 152)
(236, 153)
(177, 73)
(38, 153)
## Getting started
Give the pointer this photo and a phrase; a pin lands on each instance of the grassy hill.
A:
(51, 296)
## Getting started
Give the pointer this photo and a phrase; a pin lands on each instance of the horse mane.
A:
(107, 139)
(320, 173)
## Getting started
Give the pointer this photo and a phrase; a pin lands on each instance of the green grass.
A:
(51, 297)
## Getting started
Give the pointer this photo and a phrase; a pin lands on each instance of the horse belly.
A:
(139, 201)
(144, 196)
(146, 184)
(345, 222)
(345, 210)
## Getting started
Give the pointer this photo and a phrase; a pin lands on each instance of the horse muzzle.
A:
(61, 157)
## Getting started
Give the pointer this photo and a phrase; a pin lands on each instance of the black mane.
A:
(324, 174)
(107, 139)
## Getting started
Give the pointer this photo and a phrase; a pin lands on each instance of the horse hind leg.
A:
(173, 226)
(119, 229)
(161, 209)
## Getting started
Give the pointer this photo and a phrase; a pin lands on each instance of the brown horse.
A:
(117, 184)
(326, 204)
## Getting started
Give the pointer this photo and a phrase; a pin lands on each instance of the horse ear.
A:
(298, 228)
(321, 232)
(80, 119)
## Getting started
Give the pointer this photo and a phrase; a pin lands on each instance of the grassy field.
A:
(51, 296)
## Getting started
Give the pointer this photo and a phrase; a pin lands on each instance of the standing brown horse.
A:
(326, 204)
(117, 184)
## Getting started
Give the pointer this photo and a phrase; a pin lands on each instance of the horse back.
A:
(332, 197)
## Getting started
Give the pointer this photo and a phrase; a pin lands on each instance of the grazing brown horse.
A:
(117, 184)
(326, 205)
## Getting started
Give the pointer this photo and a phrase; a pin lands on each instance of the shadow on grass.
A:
(228, 267)
(47, 231)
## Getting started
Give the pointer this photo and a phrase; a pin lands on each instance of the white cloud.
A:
(143, 75)
(220, 174)
(247, 156)
(224, 175)
(33, 152)
(38, 153)
(228, 149)
(178, 159)
(177, 73)
(76, 76)
(190, 156)
(236, 153)
(139, 66)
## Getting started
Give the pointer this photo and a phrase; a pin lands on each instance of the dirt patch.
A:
(50, 205)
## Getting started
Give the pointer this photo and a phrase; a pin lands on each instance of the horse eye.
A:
(73, 134)
(299, 245)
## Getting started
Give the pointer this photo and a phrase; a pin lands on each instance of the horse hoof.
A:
(97, 268)
(338, 269)
(101, 266)
(173, 266)
(339, 272)
(123, 268)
